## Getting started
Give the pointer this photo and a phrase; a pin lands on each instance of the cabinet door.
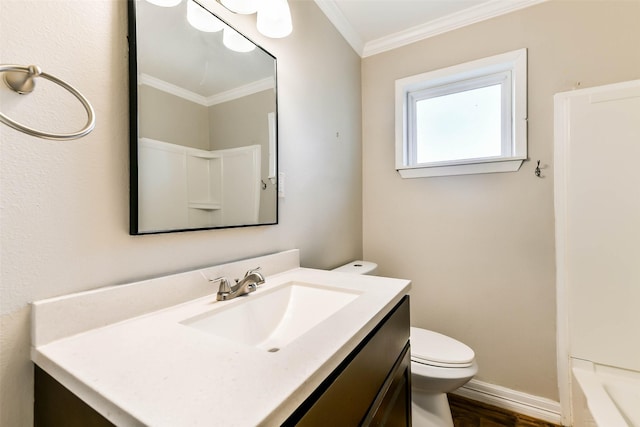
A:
(56, 406)
(347, 396)
(392, 408)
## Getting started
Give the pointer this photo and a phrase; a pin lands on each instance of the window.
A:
(465, 119)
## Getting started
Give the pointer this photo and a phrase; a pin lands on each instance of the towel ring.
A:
(21, 79)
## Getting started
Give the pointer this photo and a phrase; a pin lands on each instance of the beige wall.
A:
(64, 205)
(242, 121)
(169, 118)
(480, 248)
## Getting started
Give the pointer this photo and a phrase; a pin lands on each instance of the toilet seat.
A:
(432, 348)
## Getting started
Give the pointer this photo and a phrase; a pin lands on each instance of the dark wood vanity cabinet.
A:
(372, 386)
(56, 406)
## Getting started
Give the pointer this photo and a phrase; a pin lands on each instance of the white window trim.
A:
(514, 62)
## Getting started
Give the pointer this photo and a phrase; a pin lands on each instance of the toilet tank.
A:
(358, 267)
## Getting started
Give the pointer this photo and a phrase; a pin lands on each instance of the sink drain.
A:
(273, 350)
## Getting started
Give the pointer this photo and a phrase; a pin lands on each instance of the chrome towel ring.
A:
(21, 79)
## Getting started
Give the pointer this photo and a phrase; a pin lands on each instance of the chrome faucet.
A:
(249, 283)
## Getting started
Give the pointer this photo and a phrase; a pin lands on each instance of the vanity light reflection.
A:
(273, 18)
(236, 41)
(202, 20)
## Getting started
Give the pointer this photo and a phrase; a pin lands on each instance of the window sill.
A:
(466, 169)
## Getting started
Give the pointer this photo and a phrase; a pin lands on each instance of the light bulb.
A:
(244, 7)
(165, 3)
(201, 19)
(274, 19)
(236, 41)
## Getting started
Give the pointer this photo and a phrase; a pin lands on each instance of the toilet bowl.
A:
(439, 365)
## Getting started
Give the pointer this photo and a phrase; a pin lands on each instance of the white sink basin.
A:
(270, 320)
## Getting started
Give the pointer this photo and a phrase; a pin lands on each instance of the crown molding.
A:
(241, 91)
(481, 12)
(229, 95)
(342, 24)
(156, 83)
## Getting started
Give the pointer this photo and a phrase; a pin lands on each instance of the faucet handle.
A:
(224, 284)
(253, 270)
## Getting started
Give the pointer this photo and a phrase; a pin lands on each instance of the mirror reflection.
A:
(203, 122)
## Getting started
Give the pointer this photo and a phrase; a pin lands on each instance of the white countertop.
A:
(153, 370)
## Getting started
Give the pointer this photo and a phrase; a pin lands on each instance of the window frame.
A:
(510, 66)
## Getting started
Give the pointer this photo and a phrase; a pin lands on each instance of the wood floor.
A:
(470, 413)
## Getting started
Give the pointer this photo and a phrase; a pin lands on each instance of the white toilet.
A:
(439, 365)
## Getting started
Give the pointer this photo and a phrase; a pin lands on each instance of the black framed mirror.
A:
(203, 122)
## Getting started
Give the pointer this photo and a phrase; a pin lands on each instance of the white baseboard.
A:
(512, 400)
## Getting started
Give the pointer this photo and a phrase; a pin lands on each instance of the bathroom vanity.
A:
(308, 347)
(372, 386)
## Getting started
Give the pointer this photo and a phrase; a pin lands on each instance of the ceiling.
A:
(374, 26)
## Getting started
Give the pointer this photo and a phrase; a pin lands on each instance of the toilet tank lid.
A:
(436, 349)
(357, 267)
